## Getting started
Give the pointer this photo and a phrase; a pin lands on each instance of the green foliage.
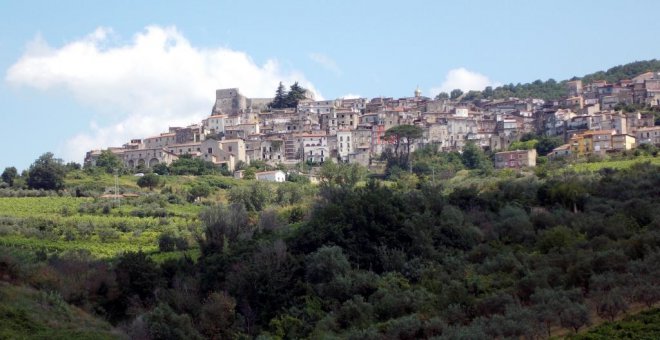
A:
(442, 95)
(136, 275)
(109, 162)
(526, 145)
(29, 314)
(186, 165)
(475, 158)
(254, 197)
(296, 94)
(547, 90)
(455, 93)
(290, 99)
(149, 180)
(161, 169)
(431, 255)
(164, 324)
(325, 264)
(279, 102)
(46, 173)
(198, 190)
(249, 173)
(217, 316)
(9, 175)
(641, 326)
(626, 71)
(224, 225)
(341, 175)
(402, 135)
(546, 144)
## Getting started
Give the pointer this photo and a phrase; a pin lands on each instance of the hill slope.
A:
(552, 89)
(29, 314)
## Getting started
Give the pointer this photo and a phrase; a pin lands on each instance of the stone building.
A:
(515, 159)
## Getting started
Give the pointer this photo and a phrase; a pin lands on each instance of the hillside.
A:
(552, 89)
(26, 313)
(480, 253)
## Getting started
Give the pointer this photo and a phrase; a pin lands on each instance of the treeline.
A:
(552, 89)
(620, 72)
(496, 257)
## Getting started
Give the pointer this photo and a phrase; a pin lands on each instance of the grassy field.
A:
(613, 164)
(30, 314)
(56, 224)
(645, 325)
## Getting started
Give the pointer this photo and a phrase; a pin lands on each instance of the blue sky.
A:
(78, 75)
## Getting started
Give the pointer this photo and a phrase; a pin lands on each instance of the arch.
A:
(131, 164)
(140, 162)
(153, 162)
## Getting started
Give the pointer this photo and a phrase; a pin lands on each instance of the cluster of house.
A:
(242, 129)
(590, 123)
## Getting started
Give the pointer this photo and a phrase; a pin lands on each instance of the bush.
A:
(166, 242)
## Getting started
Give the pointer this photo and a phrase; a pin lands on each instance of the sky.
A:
(82, 75)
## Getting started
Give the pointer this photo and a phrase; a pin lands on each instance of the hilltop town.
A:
(591, 118)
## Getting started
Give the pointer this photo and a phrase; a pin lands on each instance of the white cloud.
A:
(326, 62)
(351, 96)
(464, 79)
(155, 80)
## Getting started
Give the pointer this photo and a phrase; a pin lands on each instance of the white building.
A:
(271, 176)
(215, 123)
(344, 144)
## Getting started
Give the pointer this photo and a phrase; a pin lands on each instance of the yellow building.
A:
(590, 142)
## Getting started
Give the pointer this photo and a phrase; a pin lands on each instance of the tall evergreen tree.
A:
(296, 94)
(279, 102)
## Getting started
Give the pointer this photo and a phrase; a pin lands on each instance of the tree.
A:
(249, 173)
(46, 173)
(406, 134)
(295, 95)
(223, 225)
(574, 316)
(198, 190)
(9, 175)
(137, 275)
(217, 316)
(254, 197)
(166, 242)
(341, 175)
(488, 92)
(475, 158)
(442, 96)
(186, 165)
(149, 181)
(455, 93)
(109, 161)
(547, 144)
(161, 169)
(279, 102)
(163, 323)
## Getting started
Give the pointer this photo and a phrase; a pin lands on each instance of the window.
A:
(210, 150)
(230, 148)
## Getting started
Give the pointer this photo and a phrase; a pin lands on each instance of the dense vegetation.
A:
(645, 325)
(447, 247)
